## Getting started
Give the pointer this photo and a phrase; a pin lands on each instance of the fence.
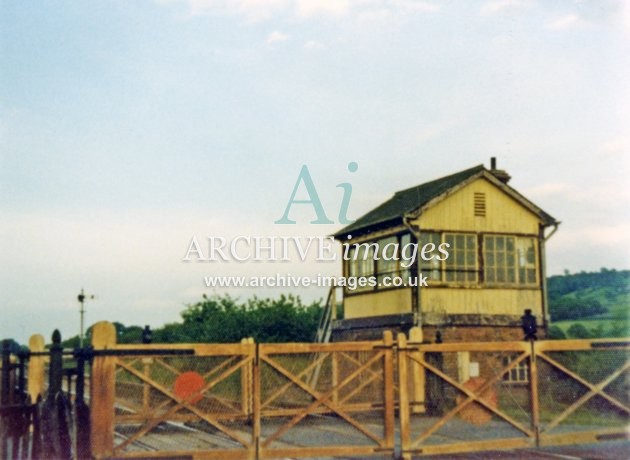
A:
(241, 400)
(38, 419)
(393, 398)
(508, 395)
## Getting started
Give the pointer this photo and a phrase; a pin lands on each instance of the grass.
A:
(596, 324)
(617, 318)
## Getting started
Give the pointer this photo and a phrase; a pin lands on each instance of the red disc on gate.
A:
(188, 386)
(474, 412)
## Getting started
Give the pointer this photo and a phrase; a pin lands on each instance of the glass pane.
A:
(490, 276)
(511, 276)
(490, 259)
(531, 276)
(531, 257)
(470, 241)
(500, 243)
(510, 244)
(470, 258)
(489, 242)
(386, 266)
(459, 258)
(459, 241)
(387, 247)
(500, 276)
(511, 260)
(366, 267)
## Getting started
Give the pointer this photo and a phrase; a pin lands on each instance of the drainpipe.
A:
(543, 273)
(415, 299)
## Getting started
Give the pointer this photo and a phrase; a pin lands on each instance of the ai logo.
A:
(305, 178)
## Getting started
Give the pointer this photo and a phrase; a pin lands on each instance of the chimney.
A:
(503, 176)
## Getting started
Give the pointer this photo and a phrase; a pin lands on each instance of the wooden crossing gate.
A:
(391, 398)
(242, 400)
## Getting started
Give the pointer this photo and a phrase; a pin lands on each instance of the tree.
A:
(223, 319)
(578, 331)
(556, 333)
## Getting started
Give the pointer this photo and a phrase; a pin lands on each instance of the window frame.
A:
(521, 247)
(519, 375)
(401, 238)
(437, 271)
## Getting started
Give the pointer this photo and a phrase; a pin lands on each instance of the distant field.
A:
(594, 324)
(618, 315)
(571, 296)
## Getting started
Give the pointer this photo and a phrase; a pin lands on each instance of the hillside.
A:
(593, 304)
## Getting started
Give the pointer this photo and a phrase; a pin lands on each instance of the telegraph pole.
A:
(81, 298)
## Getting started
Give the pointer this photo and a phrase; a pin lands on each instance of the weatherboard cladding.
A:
(391, 212)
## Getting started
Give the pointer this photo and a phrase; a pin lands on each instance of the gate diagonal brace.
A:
(284, 387)
(322, 398)
(472, 396)
(594, 390)
(183, 403)
(374, 376)
(207, 375)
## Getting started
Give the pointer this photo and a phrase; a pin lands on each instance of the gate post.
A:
(256, 403)
(403, 397)
(35, 383)
(417, 373)
(5, 394)
(102, 391)
(247, 375)
(5, 398)
(82, 411)
(55, 411)
(533, 382)
(388, 388)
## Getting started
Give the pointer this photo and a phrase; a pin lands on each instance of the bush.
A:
(578, 331)
(219, 319)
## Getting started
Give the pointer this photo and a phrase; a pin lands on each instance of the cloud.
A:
(417, 6)
(131, 261)
(425, 132)
(498, 6)
(276, 36)
(625, 16)
(585, 194)
(569, 21)
(313, 45)
(251, 10)
(619, 146)
(576, 237)
(310, 8)
(545, 190)
(261, 10)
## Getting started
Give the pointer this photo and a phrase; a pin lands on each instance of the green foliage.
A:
(556, 333)
(615, 282)
(124, 334)
(578, 331)
(599, 300)
(575, 308)
(219, 319)
(223, 319)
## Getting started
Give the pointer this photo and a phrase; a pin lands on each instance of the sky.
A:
(128, 127)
